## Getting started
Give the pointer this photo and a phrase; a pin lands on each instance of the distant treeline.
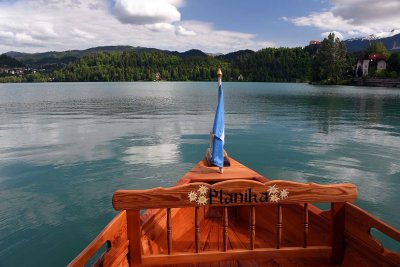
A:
(326, 62)
(270, 64)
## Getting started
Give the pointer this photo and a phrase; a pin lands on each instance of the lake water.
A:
(66, 147)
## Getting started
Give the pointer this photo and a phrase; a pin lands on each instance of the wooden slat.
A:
(134, 234)
(197, 229)
(169, 231)
(252, 226)
(239, 254)
(338, 221)
(225, 228)
(305, 234)
(279, 227)
(178, 196)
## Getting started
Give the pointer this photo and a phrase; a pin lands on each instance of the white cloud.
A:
(182, 31)
(354, 17)
(142, 12)
(160, 27)
(82, 34)
(38, 26)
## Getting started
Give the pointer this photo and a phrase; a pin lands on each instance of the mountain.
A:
(190, 53)
(7, 61)
(57, 59)
(392, 43)
(235, 55)
(65, 57)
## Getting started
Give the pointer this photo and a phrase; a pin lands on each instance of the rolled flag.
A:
(217, 158)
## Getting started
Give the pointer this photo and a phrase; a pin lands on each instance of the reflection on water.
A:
(65, 148)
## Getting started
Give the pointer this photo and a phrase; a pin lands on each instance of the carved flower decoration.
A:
(199, 196)
(284, 194)
(192, 196)
(274, 198)
(275, 194)
(272, 190)
(203, 189)
(202, 200)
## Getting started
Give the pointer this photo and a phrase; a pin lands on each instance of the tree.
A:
(378, 48)
(330, 63)
(394, 62)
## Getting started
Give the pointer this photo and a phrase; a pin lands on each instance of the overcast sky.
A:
(209, 25)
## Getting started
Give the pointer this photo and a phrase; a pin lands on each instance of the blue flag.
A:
(219, 131)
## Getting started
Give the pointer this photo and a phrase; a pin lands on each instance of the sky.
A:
(213, 26)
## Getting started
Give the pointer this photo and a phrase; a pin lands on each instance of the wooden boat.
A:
(240, 218)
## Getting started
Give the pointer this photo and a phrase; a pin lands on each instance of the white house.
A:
(370, 61)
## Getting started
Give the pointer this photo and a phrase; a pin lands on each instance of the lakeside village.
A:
(321, 62)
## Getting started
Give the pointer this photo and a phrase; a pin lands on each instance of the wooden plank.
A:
(134, 234)
(239, 254)
(233, 193)
(115, 233)
(338, 243)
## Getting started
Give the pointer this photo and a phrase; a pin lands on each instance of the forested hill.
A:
(270, 64)
(6, 61)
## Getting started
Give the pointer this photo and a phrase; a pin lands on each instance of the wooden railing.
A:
(358, 226)
(245, 192)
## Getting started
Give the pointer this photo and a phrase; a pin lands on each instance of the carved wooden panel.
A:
(233, 193)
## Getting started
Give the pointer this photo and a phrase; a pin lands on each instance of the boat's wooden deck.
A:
(287, 234)
(203, 173)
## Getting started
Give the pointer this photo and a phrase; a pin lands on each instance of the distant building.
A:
(395, 46)
(369, 62)
(314, 42)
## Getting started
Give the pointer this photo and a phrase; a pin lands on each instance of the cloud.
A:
(354, 17)
(38, 26)
(143, 12)
(182, 31)
(160, 27)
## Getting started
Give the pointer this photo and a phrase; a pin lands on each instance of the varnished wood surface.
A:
(358, 225)
(239, 254)
(177, 196)
(198, 234)
(116, 234)
(202, 173)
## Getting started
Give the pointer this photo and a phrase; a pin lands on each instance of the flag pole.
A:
(219, 75)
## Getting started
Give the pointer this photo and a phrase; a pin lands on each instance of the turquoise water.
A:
(66, 147)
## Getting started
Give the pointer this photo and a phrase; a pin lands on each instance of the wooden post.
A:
(338, 242)
(279, 227)
(197, 229)
(134, 234)
(305, 215)
(225, 228)
(169, 231)
(252, 226)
